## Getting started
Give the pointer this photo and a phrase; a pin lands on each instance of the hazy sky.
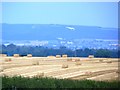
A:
(79, 13)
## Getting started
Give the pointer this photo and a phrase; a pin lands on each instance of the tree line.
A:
(40, 51)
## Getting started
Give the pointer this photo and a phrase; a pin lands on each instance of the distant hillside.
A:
(54, 31)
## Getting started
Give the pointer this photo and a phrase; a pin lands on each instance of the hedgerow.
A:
(39, 82)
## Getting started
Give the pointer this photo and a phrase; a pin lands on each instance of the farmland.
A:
(75, 68)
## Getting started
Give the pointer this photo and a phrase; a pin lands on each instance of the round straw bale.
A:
(69, 59)
(101, 60)
(58, 56)
(64, 56)
(64, 66)
(35, 63)
(3, 55)
(73, 59)
(91, 56)
(118, 71)
(29, 55)
(1, 69)
(88, 73)
(76, 59)
(109, 61)
(16, 55)
(8, 59)
(78, 63)
(51, 56)
(40, 74)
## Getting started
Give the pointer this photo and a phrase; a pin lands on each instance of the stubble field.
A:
(75, 68)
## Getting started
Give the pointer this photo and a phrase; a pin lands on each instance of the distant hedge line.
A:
(44, 51)
(13, 83)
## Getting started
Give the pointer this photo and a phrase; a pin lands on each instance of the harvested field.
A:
(70, 68)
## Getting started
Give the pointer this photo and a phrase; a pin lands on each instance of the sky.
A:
(103, 14)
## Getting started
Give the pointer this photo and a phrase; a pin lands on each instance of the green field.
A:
(38, 82)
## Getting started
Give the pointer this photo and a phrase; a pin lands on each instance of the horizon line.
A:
(61, 24)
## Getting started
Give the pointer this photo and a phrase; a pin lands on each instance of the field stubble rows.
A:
(94, 69)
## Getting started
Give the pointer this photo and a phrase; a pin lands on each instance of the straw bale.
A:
(91, 56)
(75, 59)
(78, 63)
(35, 63)
(3, 55)
(16, 55)
(51, 56)
(88, 73)
(64, 66)
(29, 55)
(8, 59)
(58, 56)
(109, 61)
(100, 60)
(69, 59)
(118, 71)
(64, 56)
(40, 74)
(1, 69)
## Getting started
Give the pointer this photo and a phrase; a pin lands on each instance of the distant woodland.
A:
(44, 51)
